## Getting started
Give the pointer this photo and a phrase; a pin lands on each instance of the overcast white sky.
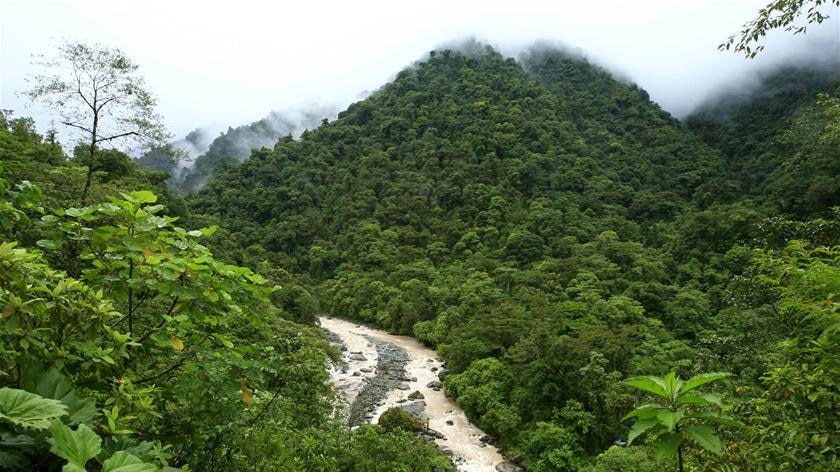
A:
(218, 64)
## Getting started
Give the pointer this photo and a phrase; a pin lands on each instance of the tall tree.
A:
(99, 94)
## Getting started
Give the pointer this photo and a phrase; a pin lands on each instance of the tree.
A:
(98, 93)
(778, 14)
(679, 417)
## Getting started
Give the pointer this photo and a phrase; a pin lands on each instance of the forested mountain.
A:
(773, 139)
(550, 231)
(126, 344)
(228, 149)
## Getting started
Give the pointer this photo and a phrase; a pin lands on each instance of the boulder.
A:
(416, 395)
(357, 356)
(507, 466)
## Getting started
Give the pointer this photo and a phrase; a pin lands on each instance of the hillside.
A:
(771, 138)
(207, 155)
(516, 220)
(546, 227)
(568, 248)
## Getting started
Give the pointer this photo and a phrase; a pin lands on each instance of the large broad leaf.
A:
(648, 383)
(639, 427)
(77, 447)
(122, 461)
(705, 436)
(53, 384)
(702, 399)
(702, 379)
(648, 410)
(140, 197)
(666, 445)
(719, 418)
(669, 419)
(29, 410)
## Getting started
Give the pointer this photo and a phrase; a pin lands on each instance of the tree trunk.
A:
(91, 153)
(679, 458)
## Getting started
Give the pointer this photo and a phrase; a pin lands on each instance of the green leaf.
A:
(51, 244)
(648, 383)
(639, 427)
(703, 379)
(53, 384)
(705, 436)
(29, 410)
(122, 461)
(703, 399)
(666, 445)
(647, 410)
(719, 418)
(673, 385)
(140, 197)
(669, 419)
(77, 447)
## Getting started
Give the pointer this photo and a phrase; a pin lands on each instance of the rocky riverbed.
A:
(382, 371)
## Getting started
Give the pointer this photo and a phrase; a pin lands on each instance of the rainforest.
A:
(605, 287)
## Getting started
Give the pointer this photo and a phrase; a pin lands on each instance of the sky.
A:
(214, 64)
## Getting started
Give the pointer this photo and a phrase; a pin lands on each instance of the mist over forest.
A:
(498, 259)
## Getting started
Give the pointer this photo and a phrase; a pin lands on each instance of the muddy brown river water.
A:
(461, 437)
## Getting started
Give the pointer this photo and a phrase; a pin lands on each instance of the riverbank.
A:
(409, 369)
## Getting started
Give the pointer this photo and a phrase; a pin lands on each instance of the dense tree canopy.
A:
(551, 232)
(554, 234)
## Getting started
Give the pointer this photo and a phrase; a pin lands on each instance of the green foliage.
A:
(29, 410)
(620, 459)
(547, 228)
(550, 230)
(778, 14)
(683, 415)
(795, 417)
(76, 447)
(394, 418)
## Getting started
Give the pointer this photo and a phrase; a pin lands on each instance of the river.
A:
(460, 437)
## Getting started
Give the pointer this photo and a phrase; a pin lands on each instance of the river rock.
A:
(402, 386)
(417, 409)
(435, 384)
(356, 373)
(366, 370)
(450, 422)
(416, 395)
(507, 466)
(357, 356)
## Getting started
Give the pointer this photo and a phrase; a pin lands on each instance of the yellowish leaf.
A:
(247, 393)
(177, 344)
(147, 253)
